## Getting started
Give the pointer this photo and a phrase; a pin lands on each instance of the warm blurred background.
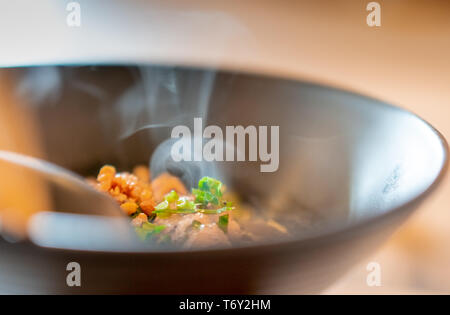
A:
(405, 61)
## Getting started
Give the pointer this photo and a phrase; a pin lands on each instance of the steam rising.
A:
(189, 172)
(162, 99)
(40, 84)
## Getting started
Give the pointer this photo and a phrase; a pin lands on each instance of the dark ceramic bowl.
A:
(359, 165)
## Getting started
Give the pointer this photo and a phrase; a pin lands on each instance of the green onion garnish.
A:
(171, 197)
(162, 206)
(207, 195)
(149, 230)
(223, 223)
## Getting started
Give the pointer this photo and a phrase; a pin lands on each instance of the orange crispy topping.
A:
(129, 207)
(134, 191)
